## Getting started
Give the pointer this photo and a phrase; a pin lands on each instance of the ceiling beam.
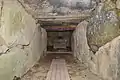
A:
(61, 20)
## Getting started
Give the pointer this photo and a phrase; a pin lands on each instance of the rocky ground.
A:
(77, 70)
(39, 71)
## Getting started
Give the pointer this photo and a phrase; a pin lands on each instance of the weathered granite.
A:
(40, 8)
(106, 61)
(104, 41)
(79, 42)
(103, 26)
(98, 42)
(21, 40)
(118, 4)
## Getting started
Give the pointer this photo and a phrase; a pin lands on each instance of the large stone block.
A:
(20, 41)
(118, 4)
(106, 61)
(13, 63)
(103, 26)
(14, 22)
(80, 46)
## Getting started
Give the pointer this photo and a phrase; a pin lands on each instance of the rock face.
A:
(71, 3)
(84, 4)
(80, 46)
(38, 8)
(118, 4)
(103, 26)
(98, 42)
(22, 42)
(104, 41)
(106, 61)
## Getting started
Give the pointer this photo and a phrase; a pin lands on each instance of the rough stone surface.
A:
(118, 4)
(95, 43)
(106, 61)
(80, 46)
(40, 8)
(99, 43)
(3, 49)
(71, 3)
(103, 39)
(103, 26)
(22, 42)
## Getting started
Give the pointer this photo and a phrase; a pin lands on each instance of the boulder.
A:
(118, 4)
(106, 61)
(103, 26)
(21, 40)
(80, 46)
(103, 37)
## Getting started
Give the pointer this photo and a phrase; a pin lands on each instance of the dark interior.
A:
(59, 41)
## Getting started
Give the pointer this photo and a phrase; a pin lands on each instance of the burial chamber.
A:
(23, 37)
(89, 29)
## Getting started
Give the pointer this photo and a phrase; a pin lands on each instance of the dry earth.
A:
(77, 70)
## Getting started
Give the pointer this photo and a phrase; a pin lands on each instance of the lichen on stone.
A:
(103, 26)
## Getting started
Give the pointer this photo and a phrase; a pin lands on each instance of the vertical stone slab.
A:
(81, 49)
(20, 41)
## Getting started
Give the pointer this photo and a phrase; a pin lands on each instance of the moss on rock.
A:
(103, 27)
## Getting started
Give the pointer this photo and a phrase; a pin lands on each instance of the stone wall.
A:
(79, 42)
(42, 8)
(106, 61)
(103, 36)
(98, 42)
(22, 41)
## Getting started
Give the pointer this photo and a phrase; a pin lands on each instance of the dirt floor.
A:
(77, 70)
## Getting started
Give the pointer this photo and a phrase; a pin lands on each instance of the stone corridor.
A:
(32, 30)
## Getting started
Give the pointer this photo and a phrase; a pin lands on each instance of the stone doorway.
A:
(59, 41)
